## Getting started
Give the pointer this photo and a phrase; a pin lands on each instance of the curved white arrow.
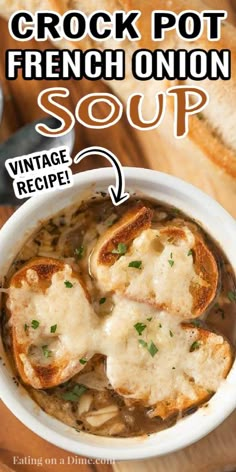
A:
(117, 192)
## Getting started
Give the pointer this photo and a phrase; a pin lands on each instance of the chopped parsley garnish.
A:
(83, 361)
(219, 310)
(102, 300)
(46, 352)
(160, 325)
(140, 327)
(135, 264)
(79, 252)
(149, 319)
(222, 313)
(175, 211)
(75, 393)
(195, 346)
(26, 327)
(121, 249)
(151, 347)
(35, 324)
(196, 323)
(173, 368)
(142, 342)
(232, 296)
(171, 262)
(190, 252)
(53, 328)
(68, 284)
(171, 334)
(111, 222)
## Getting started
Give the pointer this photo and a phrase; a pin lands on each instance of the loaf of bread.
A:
(209, 151)
(212, 134)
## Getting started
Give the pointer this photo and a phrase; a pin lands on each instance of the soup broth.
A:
(87, 402)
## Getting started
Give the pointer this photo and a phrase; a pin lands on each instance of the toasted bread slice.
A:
(124, 231)
(170, 267)
(51, 318)
(162, 363)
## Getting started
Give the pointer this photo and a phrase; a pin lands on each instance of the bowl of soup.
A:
(118, 322)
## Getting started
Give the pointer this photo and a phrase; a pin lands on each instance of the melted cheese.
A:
(68, 308)
(131, 369)
(174, 370)
(165, 276)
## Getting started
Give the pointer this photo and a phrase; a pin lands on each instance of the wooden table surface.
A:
(216, 452)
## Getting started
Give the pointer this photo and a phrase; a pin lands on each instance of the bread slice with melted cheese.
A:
(132, 223)
(170, 267)
(162, 363)
(51, 317)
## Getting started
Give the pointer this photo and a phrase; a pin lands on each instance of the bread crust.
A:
(124, 231)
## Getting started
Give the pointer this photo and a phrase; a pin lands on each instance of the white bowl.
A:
(217, 223)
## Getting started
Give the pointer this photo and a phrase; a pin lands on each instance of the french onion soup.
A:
(120, 320)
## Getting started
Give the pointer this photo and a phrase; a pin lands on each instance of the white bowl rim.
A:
(186, 431)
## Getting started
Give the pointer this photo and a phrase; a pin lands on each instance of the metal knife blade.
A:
(26, 141)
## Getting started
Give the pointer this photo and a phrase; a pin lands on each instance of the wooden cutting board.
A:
(216, 452)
